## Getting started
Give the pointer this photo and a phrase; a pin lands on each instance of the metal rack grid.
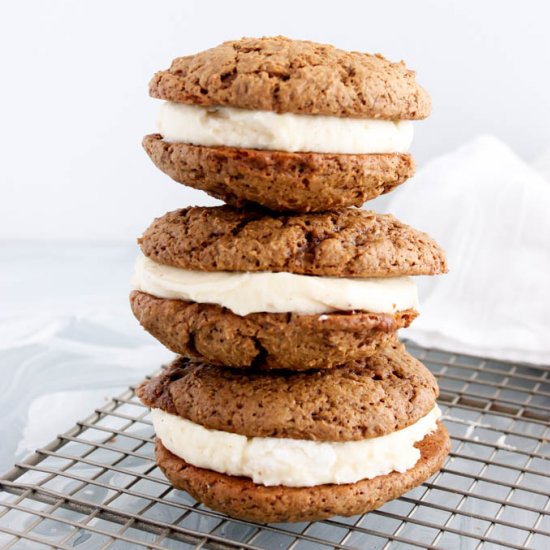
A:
(97, 486)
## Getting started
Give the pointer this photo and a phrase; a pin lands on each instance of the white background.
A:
(74, 101)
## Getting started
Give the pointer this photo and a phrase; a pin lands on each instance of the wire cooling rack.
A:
(97, 486)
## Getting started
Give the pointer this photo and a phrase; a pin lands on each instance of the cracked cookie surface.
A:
(341, 243)
(295, 76)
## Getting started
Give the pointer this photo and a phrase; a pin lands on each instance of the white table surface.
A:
(68, 339)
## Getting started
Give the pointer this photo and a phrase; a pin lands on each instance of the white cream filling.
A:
(263, 291)
(217, 126)
(292, 462)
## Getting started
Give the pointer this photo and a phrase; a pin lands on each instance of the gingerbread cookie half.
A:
(291, 125)
(342, 243)
(352, 437)
(242, 288)
(215, 334)
(280, 180)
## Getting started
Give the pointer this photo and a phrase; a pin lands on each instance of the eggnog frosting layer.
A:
(292, 462)
(249, 129)
(244, 292)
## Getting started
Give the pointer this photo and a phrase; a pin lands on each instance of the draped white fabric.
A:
(491, 212)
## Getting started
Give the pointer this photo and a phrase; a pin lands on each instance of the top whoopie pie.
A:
(288, 124)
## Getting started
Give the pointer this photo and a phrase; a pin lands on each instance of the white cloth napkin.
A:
(542, 164)
(491, 213)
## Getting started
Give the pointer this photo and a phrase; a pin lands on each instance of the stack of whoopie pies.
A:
(292, 398)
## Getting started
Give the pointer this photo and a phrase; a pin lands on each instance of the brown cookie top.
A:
(368, 398)
(295, 76)
(341, 243)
